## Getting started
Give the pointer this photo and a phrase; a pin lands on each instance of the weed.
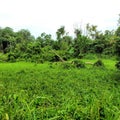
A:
(51, 92)
(98, 63)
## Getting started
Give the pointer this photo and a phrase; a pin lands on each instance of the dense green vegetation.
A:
(49, 91)
(22, 46)
(60, 79)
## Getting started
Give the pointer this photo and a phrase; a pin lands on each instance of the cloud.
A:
(49, 15)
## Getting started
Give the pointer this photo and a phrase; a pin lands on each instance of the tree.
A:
(45, 40)
(109, 41)
(7, 36)
(117, 32)
(63, 38)
(24, 36)
(92, 31)
(81, 43)
(117, 46)
(99, 46)
(60, 33)
(118, 20)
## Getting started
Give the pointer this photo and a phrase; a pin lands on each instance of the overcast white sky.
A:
(48, 15)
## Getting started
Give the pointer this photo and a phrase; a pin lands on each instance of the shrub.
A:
(3, 57)
(36, 59)
(118, 65)
(11, 57)
(55, 58)
(80, 56)
(90, 56)
(78, 64)
(66, 65)
(98, 63)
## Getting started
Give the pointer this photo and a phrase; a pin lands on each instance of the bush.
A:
(80, 56)
(54, 58)
(3, 58)
(90, 56)
(118, 65)
(66, 65)
(11, 57)
(78, 64)
(36, 59)
(99, 63)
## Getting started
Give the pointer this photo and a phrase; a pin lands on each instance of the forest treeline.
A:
(21, 45)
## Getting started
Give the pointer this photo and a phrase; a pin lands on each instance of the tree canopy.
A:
(21, 45)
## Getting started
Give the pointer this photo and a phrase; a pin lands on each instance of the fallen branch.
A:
(61, 59)
(89, 63)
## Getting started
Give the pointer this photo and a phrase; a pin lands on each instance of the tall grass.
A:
(31, 91)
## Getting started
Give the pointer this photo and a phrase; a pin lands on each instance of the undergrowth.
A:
(47, 91)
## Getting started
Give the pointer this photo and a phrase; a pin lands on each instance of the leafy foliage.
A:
(117, 46)
(98, 63)
(37, 91)
(118, 65)
(21, 45)
(59, 89)
(78, 64)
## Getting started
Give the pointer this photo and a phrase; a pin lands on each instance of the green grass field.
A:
(30, 91)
